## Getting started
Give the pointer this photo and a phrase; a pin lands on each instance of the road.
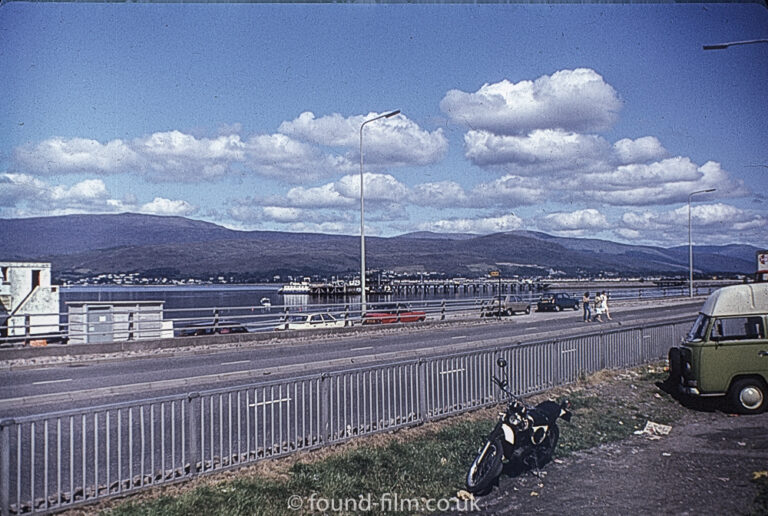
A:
(33, 390)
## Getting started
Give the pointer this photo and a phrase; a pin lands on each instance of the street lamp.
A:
(362, 211)
(690, 241)
(723, 46)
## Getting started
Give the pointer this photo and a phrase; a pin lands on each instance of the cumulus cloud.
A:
(509, 190)
(76, 155)
(579, 220)
(442, 194)
(325, 196)
(570, 100)
(395, 141)
(24, 195)
(641, 150)
(161, 206)
(377, 187)
(718, 221)
(537, 152)
(480, 225)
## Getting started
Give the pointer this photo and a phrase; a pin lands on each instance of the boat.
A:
(265, 301)
(295, 287)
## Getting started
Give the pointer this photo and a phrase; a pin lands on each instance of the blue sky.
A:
(580, 120)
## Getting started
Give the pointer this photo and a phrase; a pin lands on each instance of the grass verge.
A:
(429, 462)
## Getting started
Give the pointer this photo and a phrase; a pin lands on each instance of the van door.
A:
(737, 346)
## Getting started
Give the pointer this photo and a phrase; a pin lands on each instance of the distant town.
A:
(142, 279)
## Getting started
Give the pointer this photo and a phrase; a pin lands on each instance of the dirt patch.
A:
(704, 466)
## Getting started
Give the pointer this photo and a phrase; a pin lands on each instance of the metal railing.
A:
(70, 458)
(126, 324)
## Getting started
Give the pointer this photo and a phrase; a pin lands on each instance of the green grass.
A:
(432, 464)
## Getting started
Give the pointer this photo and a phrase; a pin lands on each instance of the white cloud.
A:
(283, 157)
(509, 191)
(377, 187)
(395, 141)
(442, 194)
(538, 152)
(571, 100)
(641, 150)
(161, 206)
(326, 196)
(24, 195)
(480, 225)
(717, 222)
(76, 155)
(282, 214)
(579, 220)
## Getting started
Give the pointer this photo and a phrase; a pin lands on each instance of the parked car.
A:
(211, 328)
(393, 313)
(557, 302)
(504, 305)
(310, 321)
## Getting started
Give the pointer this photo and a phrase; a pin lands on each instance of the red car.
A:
(393, 313)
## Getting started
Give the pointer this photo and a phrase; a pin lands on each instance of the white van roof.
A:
(737, 299)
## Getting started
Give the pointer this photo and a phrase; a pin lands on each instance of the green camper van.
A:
(726, 351)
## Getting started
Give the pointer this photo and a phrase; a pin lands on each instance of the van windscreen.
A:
(698, 329)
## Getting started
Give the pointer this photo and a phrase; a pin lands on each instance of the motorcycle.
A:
(524, 437)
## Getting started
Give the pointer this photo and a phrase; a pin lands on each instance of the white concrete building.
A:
(29, 304)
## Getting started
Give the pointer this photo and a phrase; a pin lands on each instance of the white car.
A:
(310, 321)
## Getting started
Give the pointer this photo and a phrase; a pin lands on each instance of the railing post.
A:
(346, 315)
(557, 374)
(422, 379)
(442, 310)
(602, 350)
(325, 408)
(193, 432)
(5, 466)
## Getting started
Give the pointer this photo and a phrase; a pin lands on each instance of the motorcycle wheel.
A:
(486, 467)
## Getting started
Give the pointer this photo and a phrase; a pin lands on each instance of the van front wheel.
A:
(748, 396)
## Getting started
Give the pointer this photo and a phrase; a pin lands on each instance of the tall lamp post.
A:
(690, 240)
(362, 211)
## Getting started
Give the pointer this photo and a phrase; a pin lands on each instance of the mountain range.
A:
(87, 245)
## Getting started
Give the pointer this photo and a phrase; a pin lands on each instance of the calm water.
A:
(244, 303)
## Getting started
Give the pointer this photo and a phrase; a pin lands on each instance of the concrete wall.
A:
(30, 304)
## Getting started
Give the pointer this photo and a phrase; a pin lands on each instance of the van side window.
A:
(738, 328)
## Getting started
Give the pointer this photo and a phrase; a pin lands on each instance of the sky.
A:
(592, 121)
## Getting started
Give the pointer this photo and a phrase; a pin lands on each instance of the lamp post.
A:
(362, 211)
(723, 46)
(690, 240)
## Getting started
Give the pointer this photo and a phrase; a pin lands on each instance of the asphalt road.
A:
(35, 390)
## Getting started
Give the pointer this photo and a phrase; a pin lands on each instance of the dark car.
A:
(212, 328)
(557, 302)
(393, 313)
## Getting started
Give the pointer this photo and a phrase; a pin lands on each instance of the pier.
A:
(411, 287)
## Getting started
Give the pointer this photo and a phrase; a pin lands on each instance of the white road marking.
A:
(361, 349)
(52, 381)
(238, 362)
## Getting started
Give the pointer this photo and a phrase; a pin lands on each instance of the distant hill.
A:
(84, 245)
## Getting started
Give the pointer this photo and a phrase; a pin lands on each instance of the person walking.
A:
(598, 307)
(587, 310)
(604, 303)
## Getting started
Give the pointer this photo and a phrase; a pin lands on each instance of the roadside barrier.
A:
(70, 458)
(131, 321)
